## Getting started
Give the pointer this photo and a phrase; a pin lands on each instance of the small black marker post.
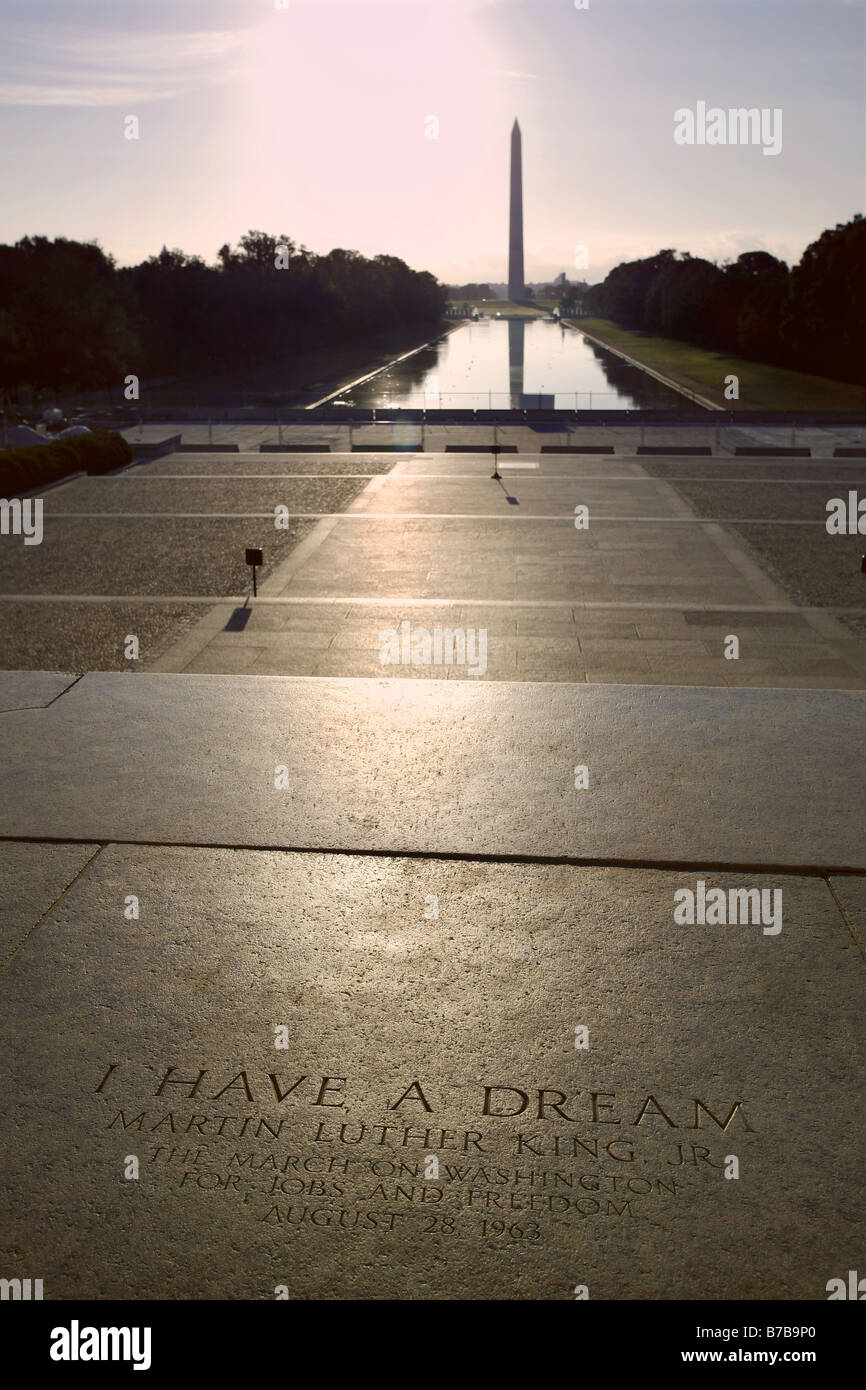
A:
(254, 557)
(494, 449)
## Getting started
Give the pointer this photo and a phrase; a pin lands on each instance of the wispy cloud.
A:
(50, 66)
(53, 94)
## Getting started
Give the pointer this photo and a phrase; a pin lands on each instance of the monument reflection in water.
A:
(516, 347)
(514, 363)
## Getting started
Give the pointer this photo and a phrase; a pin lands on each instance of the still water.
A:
(514, 364)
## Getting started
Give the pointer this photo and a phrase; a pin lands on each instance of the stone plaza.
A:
(362, 978)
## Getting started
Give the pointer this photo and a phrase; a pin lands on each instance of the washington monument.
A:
(516, 287)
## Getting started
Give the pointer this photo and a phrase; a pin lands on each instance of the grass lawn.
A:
(492, 307)
(761, 387)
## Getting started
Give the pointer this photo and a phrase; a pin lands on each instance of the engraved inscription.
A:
(490, 1161)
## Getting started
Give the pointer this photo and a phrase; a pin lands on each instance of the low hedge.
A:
(22, 470)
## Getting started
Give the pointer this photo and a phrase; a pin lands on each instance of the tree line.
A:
(811, 318)
(473, 290)
(71, 318)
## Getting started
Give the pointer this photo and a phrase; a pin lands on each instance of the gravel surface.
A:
(288, 465)
(150, 555)
(87, 636)
(138, 556)
(813, 567)
(851, 471)
(183, 495)
(205, 556)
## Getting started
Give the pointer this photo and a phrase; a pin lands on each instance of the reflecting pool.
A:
(516, 364)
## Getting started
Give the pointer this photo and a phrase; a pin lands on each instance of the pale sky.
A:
(312, 120)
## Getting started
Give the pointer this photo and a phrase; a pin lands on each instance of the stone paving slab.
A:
(31, 689)
(851, 894)
(518, 496)
(462, 558)
(430, 1002)
(767, 777)
(548, 644)
(437, 527)
(467, 536)
(273, 641)
(32, 878)
(528, 467)
(430, 1010)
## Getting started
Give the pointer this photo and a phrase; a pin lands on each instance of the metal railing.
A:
(491, 400)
